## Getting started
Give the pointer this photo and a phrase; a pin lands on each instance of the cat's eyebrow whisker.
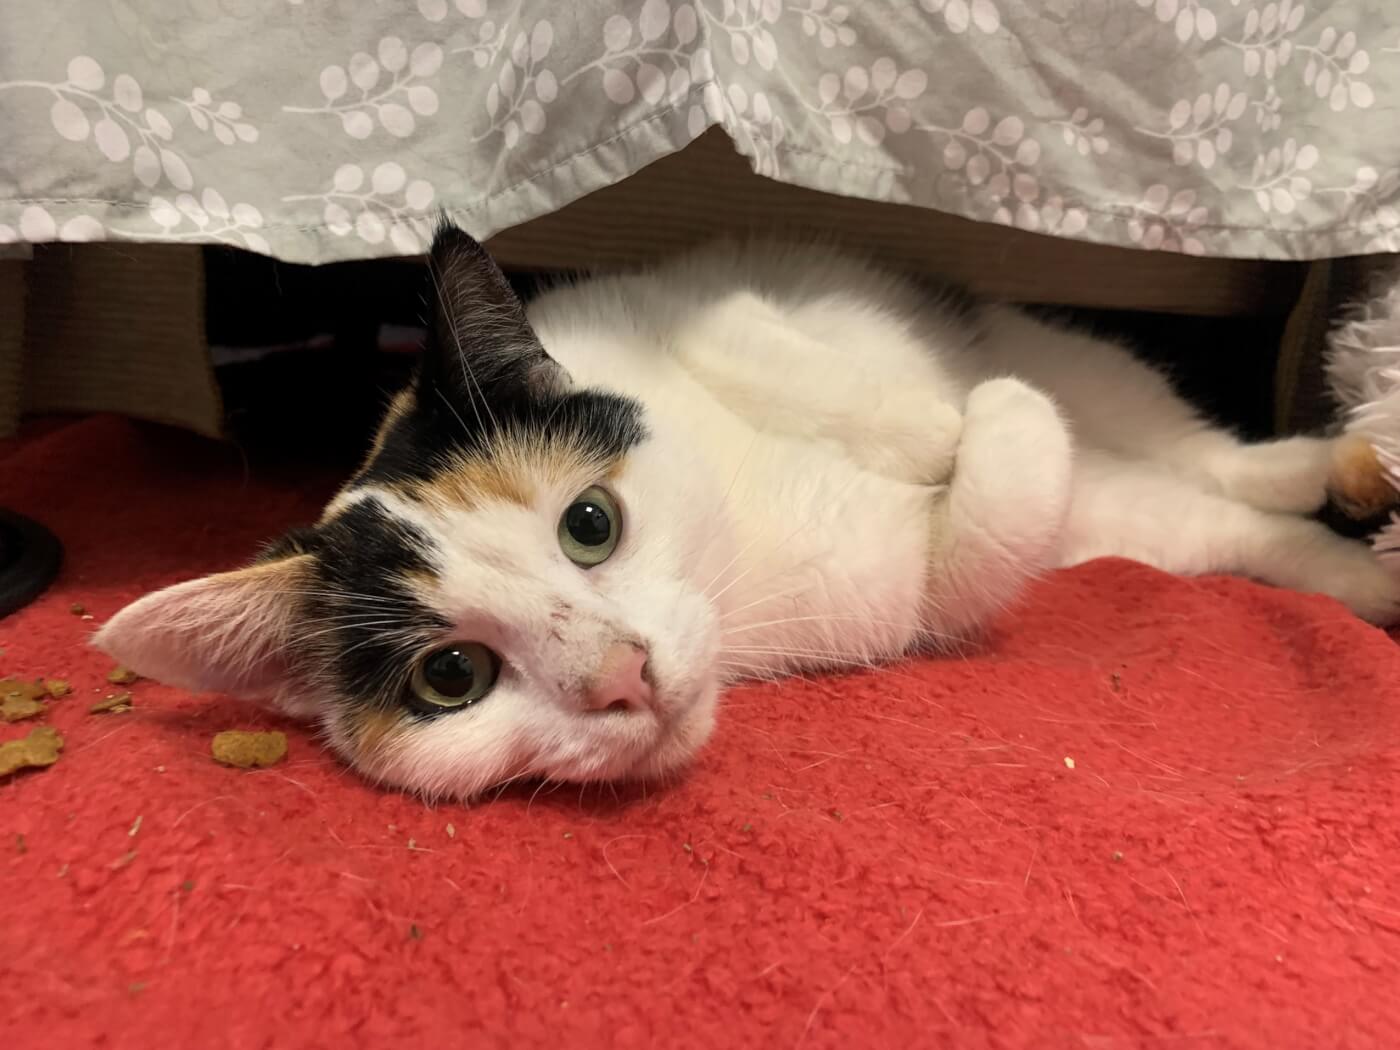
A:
(371, 617)
(369, 611)
(451, 408)
(296, 640)
(358, 599)
(307, 639)
(409, 644)
(352, 623)
(323, 592)
(553, 412)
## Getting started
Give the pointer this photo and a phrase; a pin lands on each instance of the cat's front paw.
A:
(1016, 447)
(1355, 576)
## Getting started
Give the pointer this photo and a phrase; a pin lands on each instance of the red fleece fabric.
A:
(1149, 810)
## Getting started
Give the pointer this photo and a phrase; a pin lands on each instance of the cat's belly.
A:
(831, 562)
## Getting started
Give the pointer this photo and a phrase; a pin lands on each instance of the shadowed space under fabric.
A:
(1147, 808)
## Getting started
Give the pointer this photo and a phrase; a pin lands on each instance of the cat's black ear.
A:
(480, 345)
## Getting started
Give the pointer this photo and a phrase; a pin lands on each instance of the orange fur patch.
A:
(1358, 483)
(398, 406)
(510, 473)
(372, 731)
(471, 481)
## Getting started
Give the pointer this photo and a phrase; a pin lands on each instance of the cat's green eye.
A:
(590, 528)
(456, 675)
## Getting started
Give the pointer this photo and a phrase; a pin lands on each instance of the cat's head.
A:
(508, 588)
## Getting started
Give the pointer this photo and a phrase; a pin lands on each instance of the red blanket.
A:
(1150, 812)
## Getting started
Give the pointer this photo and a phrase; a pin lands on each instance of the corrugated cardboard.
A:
(110, 328)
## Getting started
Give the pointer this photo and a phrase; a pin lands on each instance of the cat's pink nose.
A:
(621, 681)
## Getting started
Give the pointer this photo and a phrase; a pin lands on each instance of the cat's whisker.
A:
(732, 583)
(331, 625)
(705, 590)
(792, 650)
(758, 601)
(836, 619)
(806, 523)
(410, 645)
(724, 501)
(335, 595)
(829, 658)
(451, 408)
(551, 783)
(553, 413)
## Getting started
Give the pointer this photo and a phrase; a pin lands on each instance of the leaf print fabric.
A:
(318, 130)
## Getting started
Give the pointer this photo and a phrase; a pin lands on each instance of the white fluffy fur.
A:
(838, 470)
(1363, 369)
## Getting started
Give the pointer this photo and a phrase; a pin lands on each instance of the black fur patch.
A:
(364, 557)
(433, 432)
(291, 543)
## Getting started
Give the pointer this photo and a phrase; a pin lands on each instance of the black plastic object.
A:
(30, 556)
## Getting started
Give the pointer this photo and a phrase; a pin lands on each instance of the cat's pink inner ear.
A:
(226, 633)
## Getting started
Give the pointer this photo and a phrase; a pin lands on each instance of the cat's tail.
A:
(999, 522)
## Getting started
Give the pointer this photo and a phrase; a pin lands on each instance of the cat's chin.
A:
(674, 752)
(676, 749)
(671, 749)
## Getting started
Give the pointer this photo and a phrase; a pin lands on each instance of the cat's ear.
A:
(226, 633)
(480, 345)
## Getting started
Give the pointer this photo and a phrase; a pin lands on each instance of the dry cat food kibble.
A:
(57, 688)
(39, 748)
(20, 700)
(122, 676)
(115, 704)
(249, 750)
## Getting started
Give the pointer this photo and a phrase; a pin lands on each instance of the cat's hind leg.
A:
(1139, 510)
(1294, 475)
(1122, 405)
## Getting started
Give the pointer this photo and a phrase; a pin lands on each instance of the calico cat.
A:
(584, 518)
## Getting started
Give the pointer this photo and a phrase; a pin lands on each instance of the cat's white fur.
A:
(838, 470)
